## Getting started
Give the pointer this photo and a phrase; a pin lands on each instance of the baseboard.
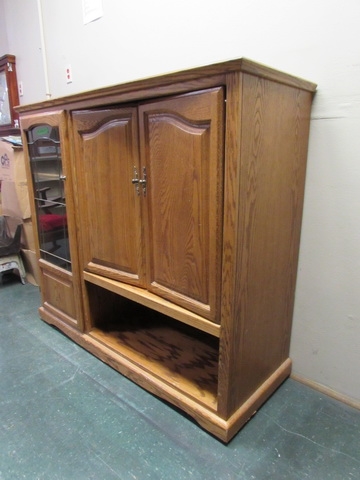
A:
(352, 402)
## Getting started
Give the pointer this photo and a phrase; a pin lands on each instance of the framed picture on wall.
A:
(9, 96)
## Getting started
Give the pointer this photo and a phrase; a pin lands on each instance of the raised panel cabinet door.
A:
(106, 153)
(181, 141)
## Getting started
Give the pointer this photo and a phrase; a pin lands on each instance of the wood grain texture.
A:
(231, 323)
(182, 149)
(106, 149)
(170, 84)
(208, 326)
(175, 354)
(148, 299)
(203, 413)
(59, 289)
(274, 131)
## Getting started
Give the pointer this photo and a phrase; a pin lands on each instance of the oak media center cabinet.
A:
(168, 213)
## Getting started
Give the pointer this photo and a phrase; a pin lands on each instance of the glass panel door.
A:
(48, 182)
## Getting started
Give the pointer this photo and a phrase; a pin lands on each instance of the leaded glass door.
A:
(49, 194)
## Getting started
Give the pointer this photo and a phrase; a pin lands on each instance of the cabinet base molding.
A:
(206, 416)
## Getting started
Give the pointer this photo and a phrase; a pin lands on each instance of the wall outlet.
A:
(21, 89)
(68, 74)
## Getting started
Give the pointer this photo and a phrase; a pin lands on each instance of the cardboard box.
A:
(14, 186)
(31, 267)
(28, 235)
(15, 200)
(12, 164)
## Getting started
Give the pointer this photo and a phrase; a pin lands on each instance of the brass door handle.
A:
(139, 181)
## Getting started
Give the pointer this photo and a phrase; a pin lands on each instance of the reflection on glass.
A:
(5, 117)
(46, 168)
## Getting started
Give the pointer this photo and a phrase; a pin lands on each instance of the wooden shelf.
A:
(183, 357)
(187, 374)
(150, 300)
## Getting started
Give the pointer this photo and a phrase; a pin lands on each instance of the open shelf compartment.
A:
(179, 355)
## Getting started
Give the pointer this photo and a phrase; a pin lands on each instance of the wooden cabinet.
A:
(186, 209)
(143, 234)
(50, 187)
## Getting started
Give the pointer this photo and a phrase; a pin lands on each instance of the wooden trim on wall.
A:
(351, 402)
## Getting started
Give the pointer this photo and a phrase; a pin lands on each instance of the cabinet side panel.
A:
(274, 137)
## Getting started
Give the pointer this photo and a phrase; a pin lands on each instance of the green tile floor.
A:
(64, 415)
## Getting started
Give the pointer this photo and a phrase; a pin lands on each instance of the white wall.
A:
(316, 39)
(3, 35)
(24, 42)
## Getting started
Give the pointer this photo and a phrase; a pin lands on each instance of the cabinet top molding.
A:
(169, 84)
